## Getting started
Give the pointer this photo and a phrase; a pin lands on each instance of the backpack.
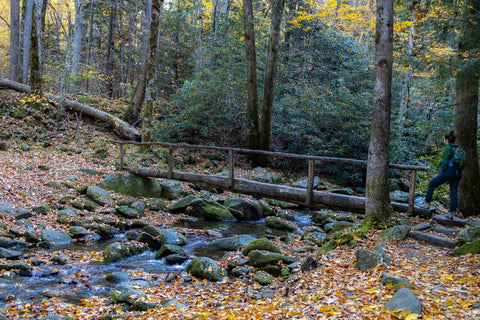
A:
(459, 158)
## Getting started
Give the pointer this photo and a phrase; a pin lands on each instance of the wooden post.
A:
(231, 172)
(311, 177)
(171, 151)
(411, 194)
(121, 156)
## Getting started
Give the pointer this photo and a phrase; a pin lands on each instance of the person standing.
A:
(449, 173)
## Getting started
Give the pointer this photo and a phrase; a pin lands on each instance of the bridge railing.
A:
(172, 147)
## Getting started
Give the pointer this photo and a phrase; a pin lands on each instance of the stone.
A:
(280, 224)
(119, 277)
(154, 243)
(396, 282)
(469, 234)
(127, 212)
(57, 237)
(263, 278)
(77, 232)
(261, 244)
(468, 247)
(210, 210)
(106, 232)
(370, 259)
(139, 206)
(399, 196)
(309, 263)
(128, 295)
(233, 243)
(171, 189)
(99, 195)
(156, 204)
(397, 232)
(132, 185)
(152, 230)
(250, 210)
(9, 254)
(303, 183)
(205, 268)
(261, 258)
(404, 300)
(181, 205)
(177, 258)
(168, 249)
(172, 237)
(43, 209)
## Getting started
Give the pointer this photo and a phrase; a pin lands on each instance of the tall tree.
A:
(78, 33)
(110, 48)
(147, 113)
(27, 31)
(466, 105)
(270, 74)
(36, 64)
(14, 40)
(252, 83)
(377, 202)
(134, 110)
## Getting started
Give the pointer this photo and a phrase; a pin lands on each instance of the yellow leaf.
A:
(411, 316)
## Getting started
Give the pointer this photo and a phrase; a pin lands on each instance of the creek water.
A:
(62, 281)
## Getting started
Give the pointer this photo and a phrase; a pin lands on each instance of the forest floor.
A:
(447, 286)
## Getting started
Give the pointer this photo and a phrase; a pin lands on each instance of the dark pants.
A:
(452, 176)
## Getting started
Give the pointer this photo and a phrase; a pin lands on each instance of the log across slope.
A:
(121, 127)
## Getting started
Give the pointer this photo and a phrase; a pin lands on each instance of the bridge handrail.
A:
(311, 162)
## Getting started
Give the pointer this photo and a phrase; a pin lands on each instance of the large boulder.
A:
(117, 251)
(233, 243)
(132, 185)
(248, 210)
(205, 268)
(281, 224)
(468, 247)
(210, 210)
(171, 189)
(406, 301)
(469, 234)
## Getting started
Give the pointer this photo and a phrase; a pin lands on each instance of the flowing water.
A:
(62, 281)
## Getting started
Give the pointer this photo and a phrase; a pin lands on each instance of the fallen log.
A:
(121, 127)
(319, 199)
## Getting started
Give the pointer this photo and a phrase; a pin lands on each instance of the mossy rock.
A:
(280, 224)
(168, 249)
(210, 210)
(261, 244)
(263, 278)
(260, 258)
(181, 205)
(205, 268)
(132, 185)
(469, 247)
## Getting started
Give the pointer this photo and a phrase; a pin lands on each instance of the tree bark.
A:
(110, 46)
(252, 84)
(270, 75)
(27, 31)
(122, 128)
(133, 112)
(78, 33)
(150, 81)
(466, 107)
(36, 73)
(14, 40)
(377, 203)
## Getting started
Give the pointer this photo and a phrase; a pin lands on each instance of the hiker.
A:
(449, 173)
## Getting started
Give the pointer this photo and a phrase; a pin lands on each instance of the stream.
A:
(62, 281)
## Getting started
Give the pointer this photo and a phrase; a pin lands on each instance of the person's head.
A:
(450, 137)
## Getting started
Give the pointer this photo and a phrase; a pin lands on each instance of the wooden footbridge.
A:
(307, 197)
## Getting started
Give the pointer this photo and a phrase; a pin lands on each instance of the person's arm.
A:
(447, 155)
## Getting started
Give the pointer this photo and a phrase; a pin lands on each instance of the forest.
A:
(375, 81)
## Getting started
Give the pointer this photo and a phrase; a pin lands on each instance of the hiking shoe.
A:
(424, 205)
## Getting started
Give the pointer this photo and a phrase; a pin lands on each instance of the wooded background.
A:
(293, 76)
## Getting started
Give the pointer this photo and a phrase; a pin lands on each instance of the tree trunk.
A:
(78, 33)
(150, 84)
(27, 31)
(270, 74)
(36, 74)
(252, 84)
(133, 112)
(14, 40)
(122, 128)
(110, 46)
(466, 105)
(377, 202)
